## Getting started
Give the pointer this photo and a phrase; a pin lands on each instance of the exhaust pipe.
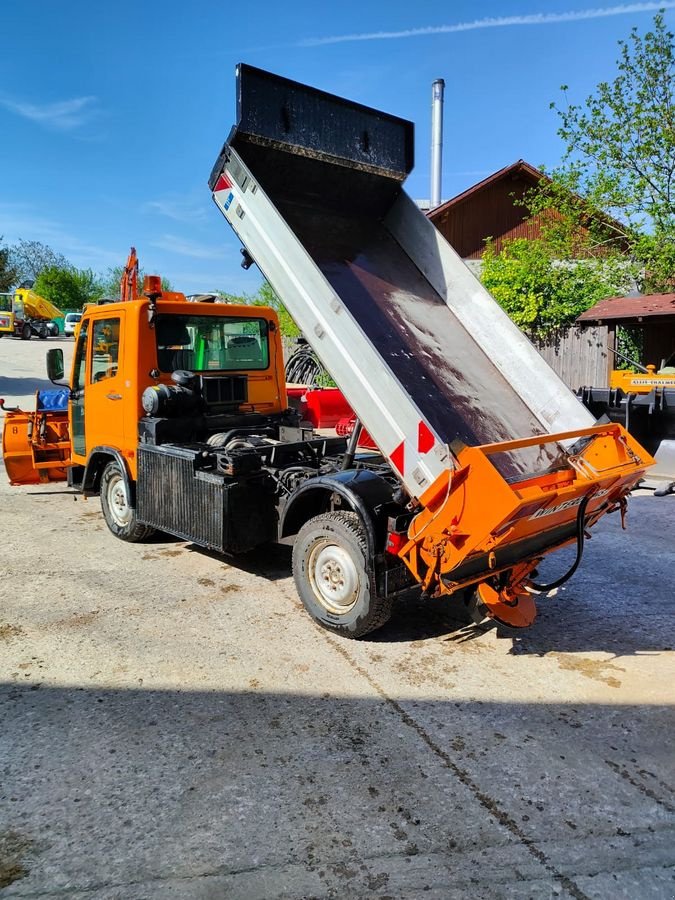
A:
(437, 89)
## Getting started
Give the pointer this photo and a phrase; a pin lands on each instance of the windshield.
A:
(6, 302)
(73, 317)
(211, 343)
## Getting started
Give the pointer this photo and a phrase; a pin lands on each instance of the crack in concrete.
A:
(487, 802)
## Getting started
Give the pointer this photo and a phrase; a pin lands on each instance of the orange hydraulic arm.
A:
(129, 280)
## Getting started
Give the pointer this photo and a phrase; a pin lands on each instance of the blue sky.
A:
(112, 114)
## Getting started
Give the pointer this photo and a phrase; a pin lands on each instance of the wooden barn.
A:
(489, 209)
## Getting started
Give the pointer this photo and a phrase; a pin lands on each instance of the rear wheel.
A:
(26, 332)
(334, 578)
(119, 515)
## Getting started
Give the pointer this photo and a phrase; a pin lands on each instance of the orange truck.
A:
(485, 463)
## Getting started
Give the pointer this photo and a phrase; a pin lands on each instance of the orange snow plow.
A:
(36, 445)
(454, 543)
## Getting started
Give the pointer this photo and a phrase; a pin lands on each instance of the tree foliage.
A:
(68, 288)
(541, 291)
(615, 187)
(30, 258)
(8, 273)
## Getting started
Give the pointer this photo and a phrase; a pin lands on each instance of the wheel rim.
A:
(334, 577)
(118, 501)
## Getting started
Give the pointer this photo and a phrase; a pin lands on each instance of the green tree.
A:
(68, 288)
(615, 187)
(30, 258)
(543, 290)
(267, 297)
(8, 273)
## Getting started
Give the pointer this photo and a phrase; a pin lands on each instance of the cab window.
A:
(105, 348)
(211, 343)
(80, 366)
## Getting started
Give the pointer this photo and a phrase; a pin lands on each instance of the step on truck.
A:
(178, 415)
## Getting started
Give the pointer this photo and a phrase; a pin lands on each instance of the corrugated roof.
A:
(620, 308)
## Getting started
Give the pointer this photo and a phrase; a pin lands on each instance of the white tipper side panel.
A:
(385, 409)
(551, 401)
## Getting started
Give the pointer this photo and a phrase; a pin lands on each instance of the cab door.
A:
(77, 407)
(103, 392)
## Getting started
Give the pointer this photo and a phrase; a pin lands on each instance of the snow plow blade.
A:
(36, 445)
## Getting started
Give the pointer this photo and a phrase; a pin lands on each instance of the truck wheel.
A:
(120, 517)
(26, 332)
(42, 333)
(334, 578)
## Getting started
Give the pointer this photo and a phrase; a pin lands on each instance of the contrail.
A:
(577, 15)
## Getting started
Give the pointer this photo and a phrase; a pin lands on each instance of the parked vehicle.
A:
(24, 314)
(70, 323)
(644, 403)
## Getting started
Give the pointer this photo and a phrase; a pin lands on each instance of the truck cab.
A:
(125, 349)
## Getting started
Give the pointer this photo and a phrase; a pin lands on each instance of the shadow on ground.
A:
(17, 387)
(121, 793)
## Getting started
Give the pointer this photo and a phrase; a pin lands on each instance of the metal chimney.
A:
(437, 89)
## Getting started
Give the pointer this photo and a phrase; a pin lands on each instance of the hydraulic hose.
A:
(581, 528)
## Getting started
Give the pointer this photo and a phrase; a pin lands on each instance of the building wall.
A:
(491, 212)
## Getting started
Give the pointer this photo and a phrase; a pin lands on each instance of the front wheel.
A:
(26, 332)
(334, 578)
(119, 515)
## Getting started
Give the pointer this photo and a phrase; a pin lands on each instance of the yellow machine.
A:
(24, 313)
(644, 403)
(643, 382)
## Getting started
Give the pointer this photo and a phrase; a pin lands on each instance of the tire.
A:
(42, 333)
(334, 578)
(119, 516)
(26, 332)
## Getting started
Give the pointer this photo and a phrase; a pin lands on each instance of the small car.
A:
(70, 323)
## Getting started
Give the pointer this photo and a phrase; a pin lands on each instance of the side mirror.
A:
(55, 364)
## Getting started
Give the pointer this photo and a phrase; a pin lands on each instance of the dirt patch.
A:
(206, 582)
(13, 850)
(228, 588)
(79, 619)
(596, 669)
(9, 632)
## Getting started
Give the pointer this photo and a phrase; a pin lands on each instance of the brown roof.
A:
(635, 308)
(519, 168)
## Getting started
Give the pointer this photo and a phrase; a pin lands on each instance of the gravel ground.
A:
(172, 724)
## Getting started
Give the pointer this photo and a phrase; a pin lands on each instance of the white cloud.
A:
(183, 247)
(541, 18)
(63, 115)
